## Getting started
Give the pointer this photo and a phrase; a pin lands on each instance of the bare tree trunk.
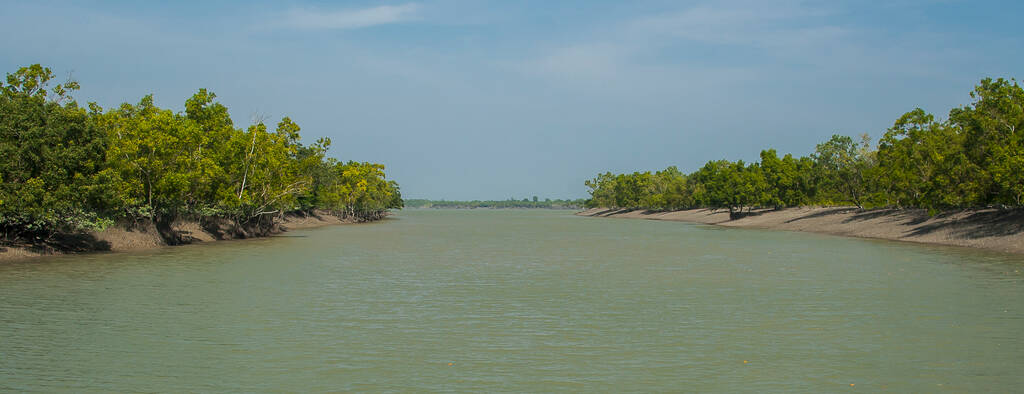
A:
(252, 148)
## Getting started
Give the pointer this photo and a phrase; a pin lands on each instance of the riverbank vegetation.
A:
(69, 168)
(974, 158)
(534, 203)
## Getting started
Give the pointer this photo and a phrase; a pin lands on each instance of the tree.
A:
(710, 184)
(782, 180)
(976, 158)
(993, 128)
(630, 189)
(841, 165)
(602, 191)
(668, 190)
(922, 163)
(159, 159)
(266, 175)
(52, 174)
(68, 169)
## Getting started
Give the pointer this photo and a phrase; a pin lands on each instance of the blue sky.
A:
(498, 99)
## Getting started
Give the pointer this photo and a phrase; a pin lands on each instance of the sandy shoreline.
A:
(120, 238)
(992, 229)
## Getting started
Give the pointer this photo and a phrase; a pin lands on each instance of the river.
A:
(517, 300)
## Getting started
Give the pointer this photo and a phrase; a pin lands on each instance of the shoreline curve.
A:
(146, 235)
(994, 229)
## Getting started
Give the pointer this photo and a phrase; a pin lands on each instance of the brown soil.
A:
(148, 235)
(994, 229)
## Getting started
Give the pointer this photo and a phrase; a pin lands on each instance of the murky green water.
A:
(517, 301)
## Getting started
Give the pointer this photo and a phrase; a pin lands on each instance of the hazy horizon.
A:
(490, 100)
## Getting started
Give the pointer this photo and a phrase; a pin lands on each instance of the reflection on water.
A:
(519, 301)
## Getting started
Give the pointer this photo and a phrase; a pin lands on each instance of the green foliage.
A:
(922, 163)
(602, 191)
(67, 168)
(841, 167)
(974, 159)
(53, 173)
(993, 133)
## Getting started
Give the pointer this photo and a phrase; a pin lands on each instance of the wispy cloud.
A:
(779, 25)
(304, 18)
(593, 60)
(656, 46)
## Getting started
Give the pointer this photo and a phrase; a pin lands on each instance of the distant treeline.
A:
(69, 168)
(510, 203)
(975, 158)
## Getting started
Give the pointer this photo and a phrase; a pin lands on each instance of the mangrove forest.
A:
(69, 168)
(974, 158)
